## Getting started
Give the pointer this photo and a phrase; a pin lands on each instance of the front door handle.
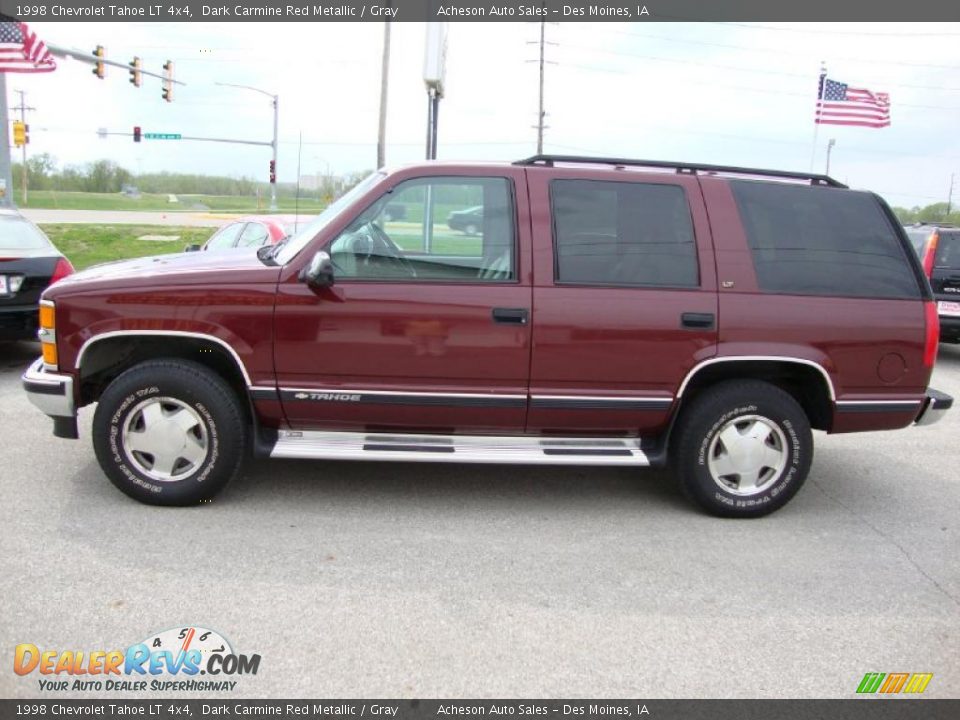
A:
(703, 321)
(513, 316)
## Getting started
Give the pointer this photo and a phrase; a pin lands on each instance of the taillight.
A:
(932, 334)
(929, 253)
(62, 269)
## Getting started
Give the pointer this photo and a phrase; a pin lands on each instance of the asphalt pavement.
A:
(396, 580)
(126, 217)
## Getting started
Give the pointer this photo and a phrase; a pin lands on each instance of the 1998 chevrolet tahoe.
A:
(609, 312)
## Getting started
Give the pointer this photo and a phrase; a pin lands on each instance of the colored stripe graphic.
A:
(918, 682)
(894, 683)
(870, 682)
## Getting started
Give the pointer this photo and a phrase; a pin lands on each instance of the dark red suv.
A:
(607, 312)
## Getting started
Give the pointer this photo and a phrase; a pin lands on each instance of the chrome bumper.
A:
(934, 406)
(48, 391)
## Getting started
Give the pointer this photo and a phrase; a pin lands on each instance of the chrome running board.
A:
(319, 445)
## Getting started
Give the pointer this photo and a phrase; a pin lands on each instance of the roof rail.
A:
(683, 168)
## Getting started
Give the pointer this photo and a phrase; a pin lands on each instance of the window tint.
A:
(441, 228)
(619, 233)
(253, 235)
(948, 250)
(225, 238)
(822, 241)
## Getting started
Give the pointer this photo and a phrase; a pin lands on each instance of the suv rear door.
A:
(625, 297)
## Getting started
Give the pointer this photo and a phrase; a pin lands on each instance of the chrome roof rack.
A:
(682, 168)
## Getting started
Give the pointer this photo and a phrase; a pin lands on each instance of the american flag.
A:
(840, 104)
(21, 50)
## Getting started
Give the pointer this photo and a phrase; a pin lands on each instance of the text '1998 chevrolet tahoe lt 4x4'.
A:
(602, 312)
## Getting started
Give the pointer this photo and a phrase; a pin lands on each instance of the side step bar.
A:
(318, 445)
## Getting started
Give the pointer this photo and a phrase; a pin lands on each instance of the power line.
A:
(898, 33)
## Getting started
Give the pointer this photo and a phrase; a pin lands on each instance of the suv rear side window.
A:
(623, 233)
(822, 241)
(948, 250)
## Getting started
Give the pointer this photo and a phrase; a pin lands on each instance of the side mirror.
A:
(319, 272)
(192, 248)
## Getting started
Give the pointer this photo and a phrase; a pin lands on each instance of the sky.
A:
(722, 93)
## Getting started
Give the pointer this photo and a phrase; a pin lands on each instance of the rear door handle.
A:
(514, 316)
(697, 320)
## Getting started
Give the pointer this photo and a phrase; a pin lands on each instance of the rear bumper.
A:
(935, 405)
(52, 394)
(949, 328)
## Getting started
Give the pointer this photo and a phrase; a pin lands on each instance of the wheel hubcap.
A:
(165, 439)
(747, 455)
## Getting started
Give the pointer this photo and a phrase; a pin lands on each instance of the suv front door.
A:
(426, 329)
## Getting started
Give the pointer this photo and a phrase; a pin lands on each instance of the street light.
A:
(276, 116)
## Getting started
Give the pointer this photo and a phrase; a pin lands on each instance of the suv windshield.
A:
(948, 250)
(296, 242)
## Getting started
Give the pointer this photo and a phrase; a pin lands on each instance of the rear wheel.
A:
(169, 432)
(743, 449)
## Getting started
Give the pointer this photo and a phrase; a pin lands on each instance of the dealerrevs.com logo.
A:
(179, 659)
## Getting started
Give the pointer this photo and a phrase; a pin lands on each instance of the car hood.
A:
(193, 268)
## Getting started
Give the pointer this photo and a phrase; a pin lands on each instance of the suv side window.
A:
(822, 241)
(459, 229)
(623, 233)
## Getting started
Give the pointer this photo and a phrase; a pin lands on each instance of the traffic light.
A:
(135, 77)
(273, 171)
(136, 133)
(100, 68)
(168, 81)
(19, 133)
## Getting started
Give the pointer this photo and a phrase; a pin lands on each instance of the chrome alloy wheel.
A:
(165, 439)
(747, 455)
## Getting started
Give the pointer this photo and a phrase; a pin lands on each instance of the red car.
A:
(609, 312)
(251, 231)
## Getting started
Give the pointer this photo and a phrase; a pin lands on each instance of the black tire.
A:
(742, 406)
(188, 390)
(470, 229)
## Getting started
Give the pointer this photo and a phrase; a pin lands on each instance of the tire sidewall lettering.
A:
(118, 454)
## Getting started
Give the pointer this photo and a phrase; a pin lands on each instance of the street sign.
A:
(161, 136)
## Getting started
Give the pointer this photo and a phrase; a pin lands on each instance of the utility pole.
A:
(22, 107)
(543, 62)
(384, 78)
(950, 195)
(540, 114)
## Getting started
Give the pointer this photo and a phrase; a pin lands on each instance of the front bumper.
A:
(934, 406)
(52, 394)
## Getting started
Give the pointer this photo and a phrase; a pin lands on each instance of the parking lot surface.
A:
(387, 580)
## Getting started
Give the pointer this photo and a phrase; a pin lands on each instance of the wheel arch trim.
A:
(759, 358)
(161, 333)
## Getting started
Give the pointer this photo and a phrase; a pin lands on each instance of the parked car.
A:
(29, 263)
(469, 221)
(615, 312)
(248, 232)
(938, 247)
(394, 211)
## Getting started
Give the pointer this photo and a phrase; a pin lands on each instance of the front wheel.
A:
(743, 449)
(169, 432)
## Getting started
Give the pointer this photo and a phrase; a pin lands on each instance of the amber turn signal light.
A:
(46, 316)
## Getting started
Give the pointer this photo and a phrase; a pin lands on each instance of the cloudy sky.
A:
(740, 94)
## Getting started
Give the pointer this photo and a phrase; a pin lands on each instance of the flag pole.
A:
(6, 173)
(816, 126)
